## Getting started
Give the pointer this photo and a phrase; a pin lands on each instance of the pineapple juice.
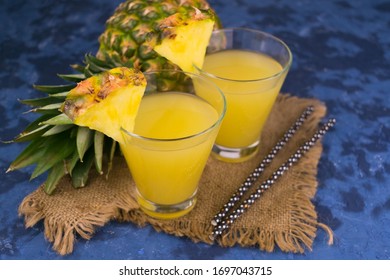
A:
(167, 169)
(242, 77)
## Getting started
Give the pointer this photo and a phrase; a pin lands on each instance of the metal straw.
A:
(244, 206)
(260, 168)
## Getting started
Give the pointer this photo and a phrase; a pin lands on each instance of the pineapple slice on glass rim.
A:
(107, 101)
(173, 43)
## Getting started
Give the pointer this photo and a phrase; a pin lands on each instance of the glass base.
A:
(235, 154)
(166, 211)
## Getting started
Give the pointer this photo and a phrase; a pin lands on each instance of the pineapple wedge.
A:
(107, 101)
(175, 32)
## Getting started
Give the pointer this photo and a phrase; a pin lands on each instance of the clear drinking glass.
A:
(174, 133)
(249, 66)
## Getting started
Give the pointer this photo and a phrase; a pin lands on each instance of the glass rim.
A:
(269, 35)
(209, 128)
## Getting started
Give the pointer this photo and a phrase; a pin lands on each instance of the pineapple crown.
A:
(81, 148)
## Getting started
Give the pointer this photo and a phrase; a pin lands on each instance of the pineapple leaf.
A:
(59, 95)
(54, 176)
(73, 132)
(57, 129)
(31, 154)
(72, 77)
(96, 69)
(60, 119)
(48, 112)
(83, 140)
(88, 73)
(32, 134)
(111, 157)
(34, 124)
(52, 154)
(50, 106)
(81, 170)
(95, 65)
(98, 63)
(71, 162)
(98, 148)
(78, 67)
(38, 102)
(54, 89)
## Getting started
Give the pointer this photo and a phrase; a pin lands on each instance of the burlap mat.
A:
(283, 217)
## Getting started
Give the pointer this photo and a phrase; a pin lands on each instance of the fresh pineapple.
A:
(137, 26)
(143, 34)
(107, 101)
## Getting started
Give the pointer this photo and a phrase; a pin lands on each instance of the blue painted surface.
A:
(341, 56)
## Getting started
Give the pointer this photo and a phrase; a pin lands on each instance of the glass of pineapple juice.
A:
(174, 133)
(250, 67)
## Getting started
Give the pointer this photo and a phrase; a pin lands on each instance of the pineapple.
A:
(107, 101)
(143, 34)
(137, 26)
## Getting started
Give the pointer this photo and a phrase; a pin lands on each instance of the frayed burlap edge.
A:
(63, 234)
(62, 231)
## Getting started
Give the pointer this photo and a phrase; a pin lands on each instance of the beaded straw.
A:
(247, 184)
(228, 221)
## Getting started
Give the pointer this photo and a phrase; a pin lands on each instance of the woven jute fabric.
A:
(284, 216)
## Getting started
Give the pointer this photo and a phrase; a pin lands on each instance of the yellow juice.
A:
(247, 80)
(167, 171)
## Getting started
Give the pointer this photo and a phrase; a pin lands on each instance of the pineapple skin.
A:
(138, 25)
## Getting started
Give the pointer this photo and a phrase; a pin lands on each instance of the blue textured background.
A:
(341, 56)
